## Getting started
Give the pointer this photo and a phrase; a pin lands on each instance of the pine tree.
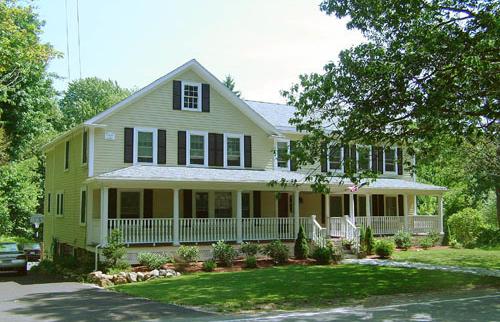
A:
(301, 248)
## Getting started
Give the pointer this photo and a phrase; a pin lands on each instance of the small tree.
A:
(301, 248)
(466, 225)
(115, 250)
(369, 240)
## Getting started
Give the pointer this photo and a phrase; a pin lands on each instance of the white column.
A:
(89, 219)
(327, 213)
(296, 212)
(405, 211)
(368, 210)
(176, 217)
(104, 215)
(351, 208)
(440, 214)
(414, 205)
(239, 218)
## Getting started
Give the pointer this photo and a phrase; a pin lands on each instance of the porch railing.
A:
(423, 224)
(207, 229)
(268, 228)
(144, 230)
(388, 225)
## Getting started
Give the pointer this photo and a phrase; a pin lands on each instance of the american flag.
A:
(356, 188)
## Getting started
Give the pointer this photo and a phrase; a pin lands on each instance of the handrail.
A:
(318, 233)
(352, 233)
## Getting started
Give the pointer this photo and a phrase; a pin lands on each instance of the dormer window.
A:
(191, 96)
(282, 149)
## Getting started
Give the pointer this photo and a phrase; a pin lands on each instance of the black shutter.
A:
(248, 151)
(324, 158)
(374, 205)
(323, 210)
(293, 161)
(256, 204)
(355, 205)
(162, 147)
(352, 156)
(188, 203)
(219, 150)
(374, 159)
(380, 159)
(205, 98)
(400, 161)
(181, 148)
(401, 205)
(148, 204)
(85, 142)
(128, 150)
(212, 149)
(176, 95)
(346, 205)
(112, 200)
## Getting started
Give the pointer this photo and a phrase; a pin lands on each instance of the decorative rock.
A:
(120, 280)
(155, 273)
(107, 276)
(140, 276)
(147, 276)
(104, 282)
(163, 272)
(131, 277)
(95, 276)
(169, 274)
(178, 274)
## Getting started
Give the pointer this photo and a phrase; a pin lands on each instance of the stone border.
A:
(105, 280)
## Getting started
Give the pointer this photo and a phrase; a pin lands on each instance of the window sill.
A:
(190, 109)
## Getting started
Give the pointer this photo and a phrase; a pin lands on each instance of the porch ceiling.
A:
(258, 179)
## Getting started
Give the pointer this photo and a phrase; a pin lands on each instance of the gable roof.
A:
(195, 66)
(278, 115)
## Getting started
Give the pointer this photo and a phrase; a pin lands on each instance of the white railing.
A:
(96, 231)
(382, 225)
(268, 228)
(351, 233)
(319, 234)
(143, 230)
(336, 226)
(207, 229)
(423, 224)
(306, 222)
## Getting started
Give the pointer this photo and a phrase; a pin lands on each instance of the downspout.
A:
(96, 257)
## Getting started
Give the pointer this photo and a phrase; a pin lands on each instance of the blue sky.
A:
(264, 45)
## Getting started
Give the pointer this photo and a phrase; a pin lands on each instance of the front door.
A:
(283, 205)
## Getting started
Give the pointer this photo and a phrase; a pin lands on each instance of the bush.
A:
(465, 226)
(426, 242)
(434, 237)
(301, 247)
(403, 239)
(277, 251)
(488, 237)
(153, 260)
(251, 262)
(250, 249)
(209, 265)
(454, 244)
(322, 255)
(224, 253)
(346, 243)
(384, 248)
(188, 254)
(115, 251)
(45, 267)
(336, 252)
(369, 241)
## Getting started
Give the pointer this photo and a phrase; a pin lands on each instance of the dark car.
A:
(12, 258)
(32, 251)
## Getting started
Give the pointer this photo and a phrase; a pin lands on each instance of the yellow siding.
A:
(162, 203)
(310, 205)
(268, 204)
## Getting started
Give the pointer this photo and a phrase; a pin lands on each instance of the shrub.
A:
(250, 249)
(322, 255)
(402, 239)
(188, 254)
(209, 265)
(335, 251)
(362, 241)
(369, 240)
(115, 251)
(465, 226)
(488, 237)
(454, 244)
(346, 243)
(426, 242)
(301, 247)
(45, 267)
(384, 248)
(153, 260)
(277, 251)
(251, 262)
(224, 253)
(434, 237)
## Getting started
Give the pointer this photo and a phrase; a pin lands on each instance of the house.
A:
(184, 160)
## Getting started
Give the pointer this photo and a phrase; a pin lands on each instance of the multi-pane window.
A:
(197, 149)
(364, 156)
(83, 206)
(201, 204)
(390, 160)
(391, 206)
(191, 96)
(130, 204)
(335, 158)
(233, 150)
(282, 160)
(145, 147)
(223, 205)
(66, 156)
(60, 204)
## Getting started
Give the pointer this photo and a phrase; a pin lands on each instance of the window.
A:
(390, 160)
(83, 206)
(233, 152)
(66, 156)
(197, 148)
(60, 204)
(391, 206)
(201, 204)
(84, 147)
(363, 156)
(282, 150)
(245, 205)
(191, 96)
(335, 155)
(145, 145)
(48, 202)
(130, 204)
(223, 205)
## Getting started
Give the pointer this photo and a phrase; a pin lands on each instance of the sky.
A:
(263, 45)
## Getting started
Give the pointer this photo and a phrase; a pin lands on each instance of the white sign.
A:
(109, 136)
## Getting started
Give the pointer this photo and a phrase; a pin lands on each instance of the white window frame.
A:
(395, 160)
(205, 148)
(67, 155)
(190, 83)
(60, 206)
(369, 157)
(82, 190)
(341, 170)
(242, 154)
(385, 204)
(276, 154)
(119, 201)
(136, 144)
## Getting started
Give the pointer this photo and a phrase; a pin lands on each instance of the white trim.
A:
(241, 137)
(198, 103)
(369, 157)
(119, 201)
(395, 172)
(83, 189)
(154, 131)
(341, 170)
(205, 148)
(276, 167)
(90, 148)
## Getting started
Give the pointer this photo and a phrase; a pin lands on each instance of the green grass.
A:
(453, 257)
(293, 287)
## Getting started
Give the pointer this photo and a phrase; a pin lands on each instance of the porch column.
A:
(296, 212)
(368, 210)
(327, 213)
(239, 218)
(351, 208)
(176, 217)
(104, 215)
(440, 214)
(405, 212)
(414, 205)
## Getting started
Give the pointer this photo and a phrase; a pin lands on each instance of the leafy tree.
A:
(87, 97)
(229, 82)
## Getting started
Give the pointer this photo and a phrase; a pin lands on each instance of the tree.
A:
(301, 248)
(428, 71)
(87, 97)
(229, 83)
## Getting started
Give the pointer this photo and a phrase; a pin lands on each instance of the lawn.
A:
(453, 257)
(293, 287)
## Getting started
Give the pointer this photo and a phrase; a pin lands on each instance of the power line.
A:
(78, 24)
(67, 39)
